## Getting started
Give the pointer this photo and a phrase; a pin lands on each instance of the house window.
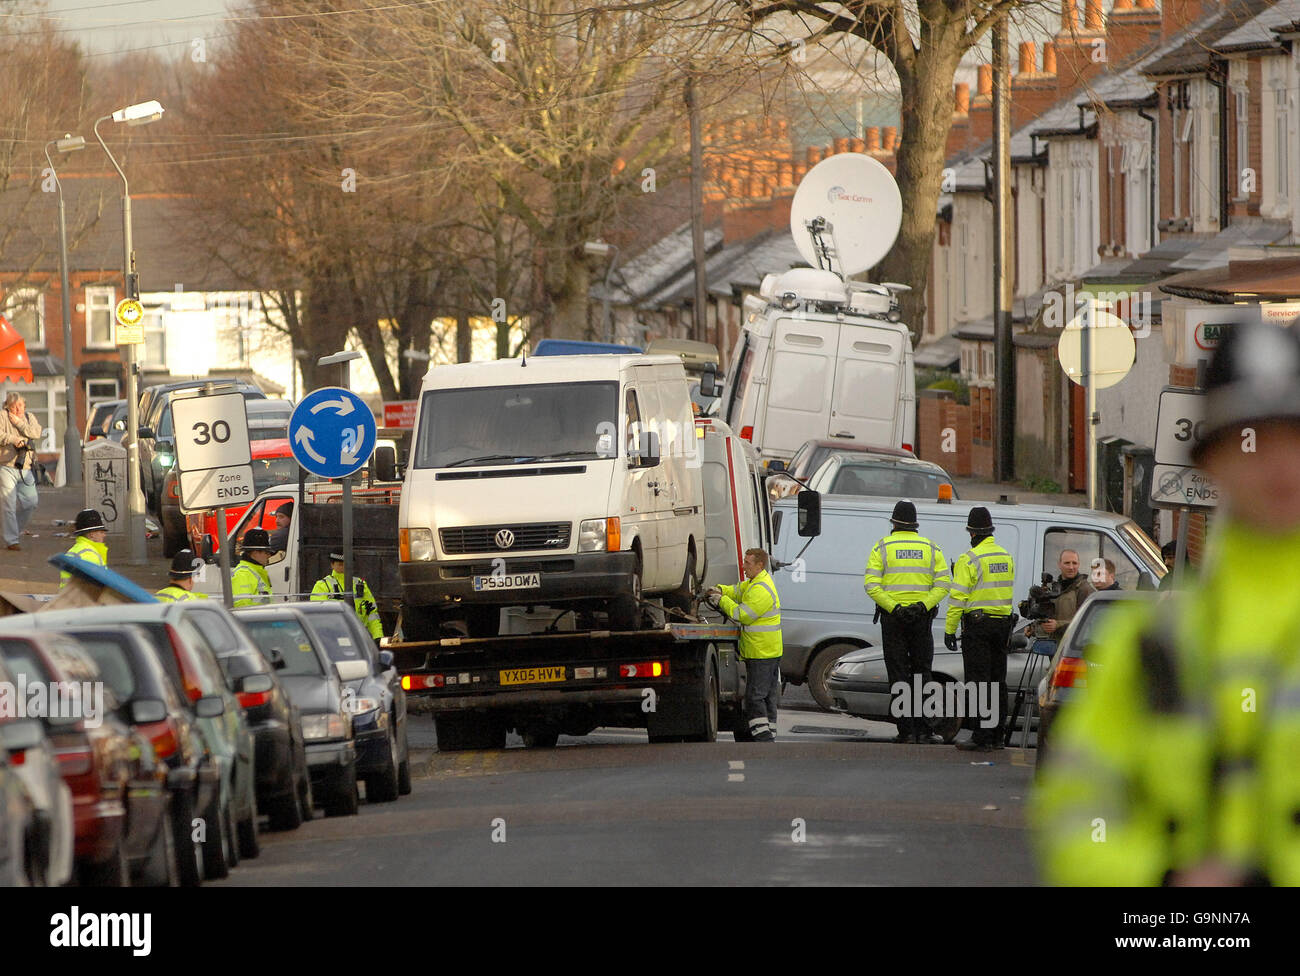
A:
(1243, 140)
(1283, 167)
(25, 310)
(154, 352)
(100, 302)
(987, 371)
(1187, 138)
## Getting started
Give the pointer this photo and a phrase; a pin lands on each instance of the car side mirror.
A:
(255, 683)
(20, 734)
(709, 381)
(385, 464)
(352, 670)
(810, 514)
(648, 449)
(209, 706)
(385, 660)
(208, 548)
(146, 711)
(143, 432)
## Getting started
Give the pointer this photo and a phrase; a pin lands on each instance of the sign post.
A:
(332, 433)
(213, 460)
(1175, 482)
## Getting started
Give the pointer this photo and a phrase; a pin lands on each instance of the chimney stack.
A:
(873, 139)
(961, 98)
(1093, 21)
(1028, 58)
(889, 138)
(985, 85)
(1049, 57)
(1069, 17)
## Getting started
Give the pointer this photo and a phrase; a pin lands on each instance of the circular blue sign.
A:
(332, 432)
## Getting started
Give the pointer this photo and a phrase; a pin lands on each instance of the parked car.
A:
(1067, 674)
(36, 841)
(809, 457)
(107, 420)
(119, 787)
(377, 701)
(315, 685)
(190, 661)
(157, 439)
(829, 614)
(888, 477)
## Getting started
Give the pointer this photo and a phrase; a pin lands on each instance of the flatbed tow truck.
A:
(680, 682)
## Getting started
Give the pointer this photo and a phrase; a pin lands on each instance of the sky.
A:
(108, 26)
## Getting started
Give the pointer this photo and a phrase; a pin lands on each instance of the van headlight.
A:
(415, 545)
(591, 535)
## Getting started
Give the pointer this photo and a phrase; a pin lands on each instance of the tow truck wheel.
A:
(459, 732)
(540, 738)
(708, 709)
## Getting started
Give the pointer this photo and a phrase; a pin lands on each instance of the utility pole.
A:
(1004, 360)
(700, 325)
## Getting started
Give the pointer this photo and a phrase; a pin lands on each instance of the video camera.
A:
(1041, 604)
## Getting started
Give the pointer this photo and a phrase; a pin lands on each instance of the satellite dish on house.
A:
(846, 213)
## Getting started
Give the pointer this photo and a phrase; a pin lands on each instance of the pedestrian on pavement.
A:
(1177, 766)
(983, 581)
(250, 584)
(756, 607)
(1169, 553)
(18, 433)
(181, 574)
(91, 544)
(907, 576)
(280, 537)
(332, 587)
(1074, 590)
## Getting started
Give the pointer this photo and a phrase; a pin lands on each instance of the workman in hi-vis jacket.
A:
(756, 607)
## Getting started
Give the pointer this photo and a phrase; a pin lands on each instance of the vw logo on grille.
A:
(505, 538)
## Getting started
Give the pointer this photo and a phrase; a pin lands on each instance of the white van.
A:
(819, 359)
(563, 481)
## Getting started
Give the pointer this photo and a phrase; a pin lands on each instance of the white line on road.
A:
(735, 777)
(735, 764)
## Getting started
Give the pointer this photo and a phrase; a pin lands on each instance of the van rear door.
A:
(868, 388)
(799, 385)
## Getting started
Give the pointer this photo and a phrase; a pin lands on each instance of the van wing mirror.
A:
(385, 464)
(810, 514)
(775, 467)
(648, 449)
(709, 381)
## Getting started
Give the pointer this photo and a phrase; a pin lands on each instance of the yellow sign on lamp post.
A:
(130, 322)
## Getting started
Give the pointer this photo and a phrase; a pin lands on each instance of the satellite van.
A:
(819, 356)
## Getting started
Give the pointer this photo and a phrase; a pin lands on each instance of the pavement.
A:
(29, 570)
(973, 490)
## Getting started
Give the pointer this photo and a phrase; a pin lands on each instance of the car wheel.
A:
(344, 802)
(189, 853)
(306, 801)
(216, 842)
(404, 770)
(381, 787)
(249, 846)
(161, 870)
(819, 672)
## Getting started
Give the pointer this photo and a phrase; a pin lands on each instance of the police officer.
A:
(181, 574)
(331, 588)
(1177, 766)
(91, 544)
(980, 600)
(250, 584)
(907, 576)
(756, 607)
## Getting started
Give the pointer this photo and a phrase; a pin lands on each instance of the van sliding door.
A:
(866, 403)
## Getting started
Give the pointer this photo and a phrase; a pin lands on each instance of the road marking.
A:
(736, 764)
(735, 777)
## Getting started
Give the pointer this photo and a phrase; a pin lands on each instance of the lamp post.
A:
(343, 360)
(602, 249)
(140, 114)
(72, 431)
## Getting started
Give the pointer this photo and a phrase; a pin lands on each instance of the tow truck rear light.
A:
(1071, 672)
(415, 682)
(644, 669)
(747, 433)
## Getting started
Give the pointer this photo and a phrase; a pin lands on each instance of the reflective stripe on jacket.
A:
(755, 606)
(89, 550)
(172, 593)
(331, 588)
(983, 579)
(250, 584)
(905, 567)
(1182, 747)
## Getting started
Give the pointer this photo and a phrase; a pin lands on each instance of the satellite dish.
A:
(853, 205)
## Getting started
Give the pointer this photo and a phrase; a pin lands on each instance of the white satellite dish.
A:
(851, 203)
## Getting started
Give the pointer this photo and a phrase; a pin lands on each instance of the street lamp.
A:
(140, 114)
(603, 249)
(72, 432)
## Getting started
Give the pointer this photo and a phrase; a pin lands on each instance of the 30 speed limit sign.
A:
(212, 436)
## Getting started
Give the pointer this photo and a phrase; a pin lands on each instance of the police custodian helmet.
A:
(89, 520)
(904, 516)
(182, 564)
(256, 540)
(1253, 377)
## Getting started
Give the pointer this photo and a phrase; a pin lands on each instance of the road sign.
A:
(1175, 486)
(212, 452)
(1113, 349)
(216, 488)
(400, 413)
(332, 432)
(1175, 483)
(130, 322)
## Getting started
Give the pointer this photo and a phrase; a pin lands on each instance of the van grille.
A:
(482, 538)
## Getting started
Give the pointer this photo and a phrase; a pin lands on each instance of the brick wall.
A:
(1197, 526)
(938, 411)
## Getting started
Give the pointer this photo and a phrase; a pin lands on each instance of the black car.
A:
(315, 686)
(157, 440)
(377, 700)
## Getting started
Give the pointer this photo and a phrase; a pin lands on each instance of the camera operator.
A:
(1074, 590)
(18, 433)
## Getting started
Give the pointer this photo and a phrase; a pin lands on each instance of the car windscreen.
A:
(269, 472)
(293, 643)
(111, 654)
(337, 637)
(870, 479)
(517, 424)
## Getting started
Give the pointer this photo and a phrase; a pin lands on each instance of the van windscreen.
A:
(517, 424)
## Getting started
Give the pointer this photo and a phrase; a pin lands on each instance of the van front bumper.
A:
(564, 579)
